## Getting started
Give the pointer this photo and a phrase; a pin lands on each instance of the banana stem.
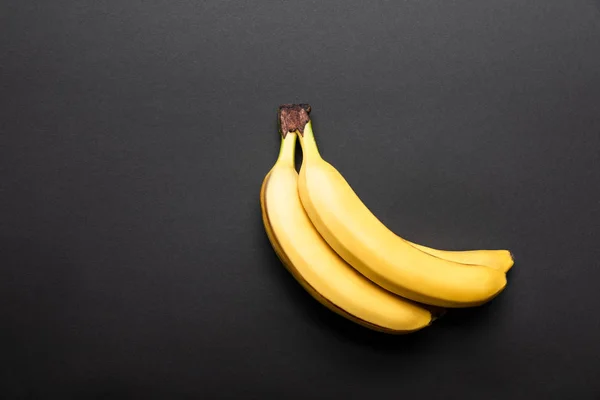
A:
(287, 150)
(293, 118)
(310, 150)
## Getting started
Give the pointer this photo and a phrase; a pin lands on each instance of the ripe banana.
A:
(349, 227)
(327, 277)
(497, 259)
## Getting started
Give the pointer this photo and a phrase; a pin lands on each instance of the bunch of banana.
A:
(351, 262)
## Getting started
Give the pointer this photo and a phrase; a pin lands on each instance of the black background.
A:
(134, 139)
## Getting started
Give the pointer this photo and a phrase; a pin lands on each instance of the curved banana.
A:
(327, 277)
(368, 245)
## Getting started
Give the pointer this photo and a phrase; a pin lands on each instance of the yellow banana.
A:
(327, 277)
(498, 259)
(368, 245)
